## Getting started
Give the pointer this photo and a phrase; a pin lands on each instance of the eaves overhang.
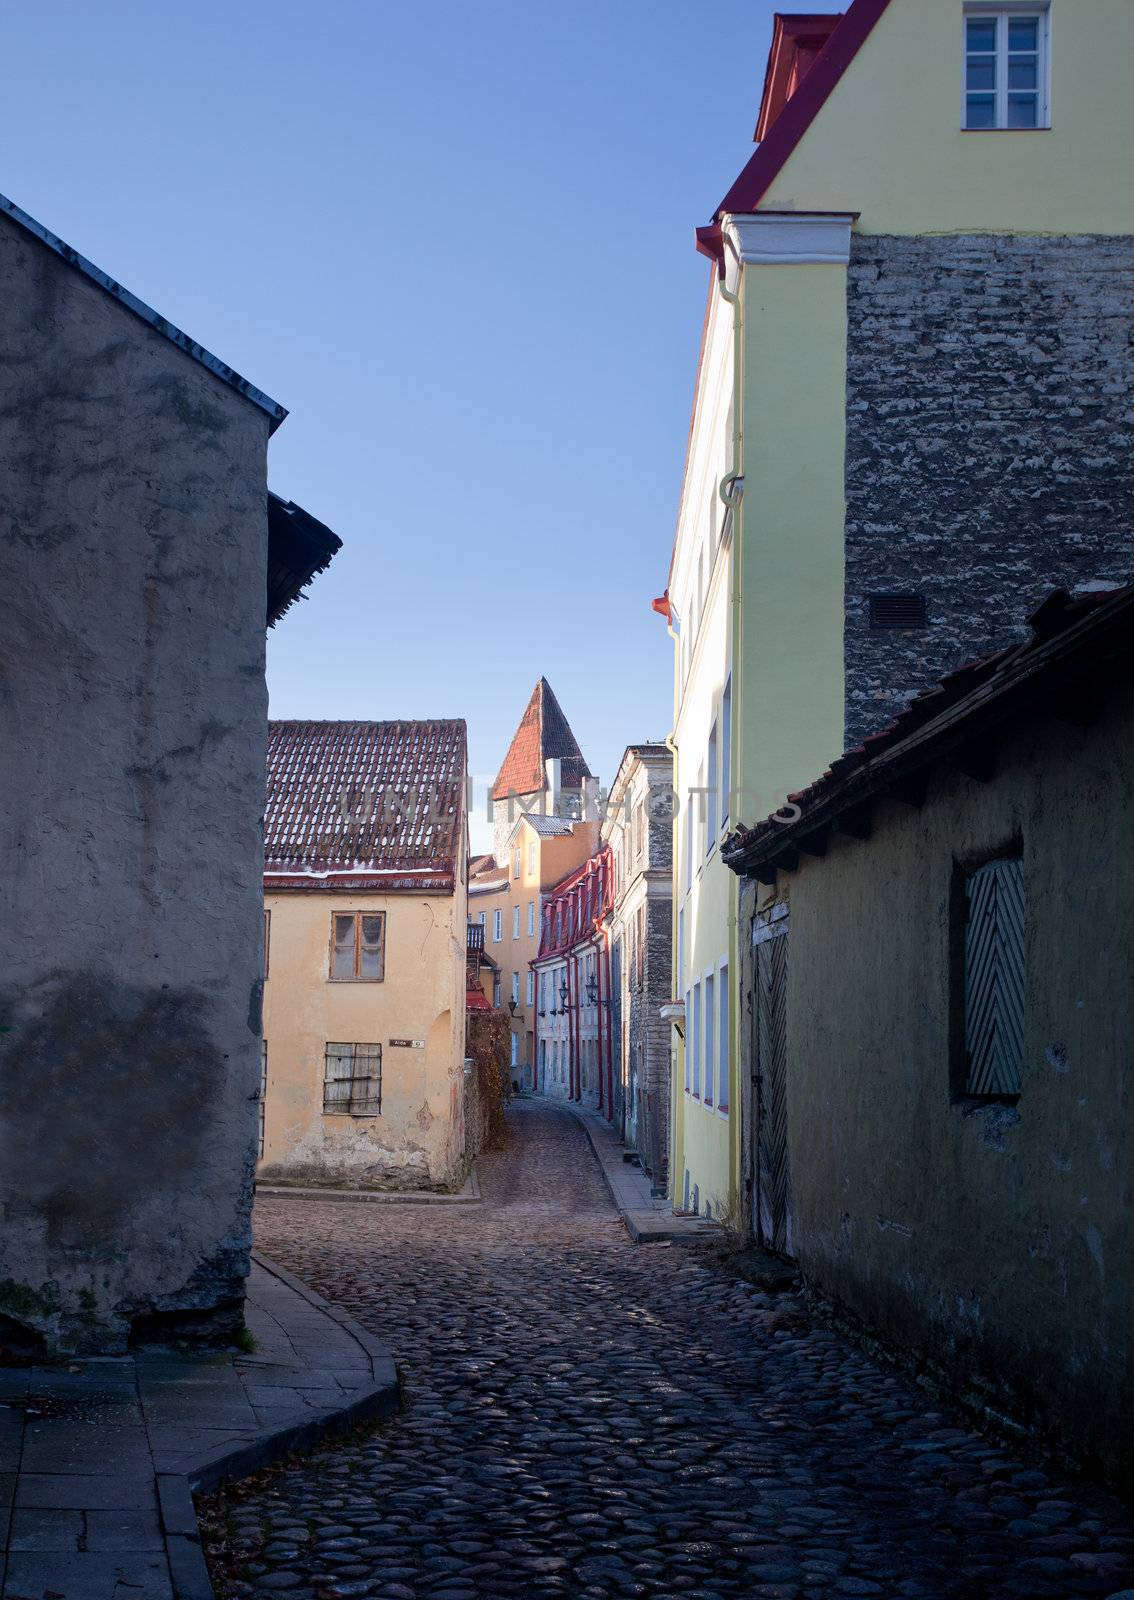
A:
(1079, 647)
(792, 122)
(197, 352)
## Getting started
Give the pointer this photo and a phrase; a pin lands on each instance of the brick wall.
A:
(990, 404)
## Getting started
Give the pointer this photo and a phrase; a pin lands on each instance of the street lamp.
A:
(564, 992)
(592, 990)
(512, 1008)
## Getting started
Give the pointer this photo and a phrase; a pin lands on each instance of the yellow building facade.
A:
(894, 206)
(365, 956)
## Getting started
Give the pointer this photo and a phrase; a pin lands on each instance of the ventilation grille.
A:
(897, 611)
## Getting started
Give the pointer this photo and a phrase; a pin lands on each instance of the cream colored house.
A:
(365, 954)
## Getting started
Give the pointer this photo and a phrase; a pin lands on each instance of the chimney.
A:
(553, 797)
(590, 799)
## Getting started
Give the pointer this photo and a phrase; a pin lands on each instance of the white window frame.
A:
(724, 1040)
(530, 988)
(515, 922)
(695, 1034)
(497, 926)
(517, 862)
(531, 858)
(1000, 11)
(688, 1042)
(531, 918)
(725, 756)
(516, 987)
(712, 794)
(708, 1051)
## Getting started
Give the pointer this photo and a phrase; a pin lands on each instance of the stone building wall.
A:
(990, 452)
(646, 978)
(133, 721)
(993, 1241)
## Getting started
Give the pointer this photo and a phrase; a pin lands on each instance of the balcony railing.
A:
(475, 936)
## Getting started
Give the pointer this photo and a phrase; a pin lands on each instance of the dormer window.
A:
(1006, 66)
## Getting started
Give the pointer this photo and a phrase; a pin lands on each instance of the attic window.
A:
(1005, 67)
(889, 611)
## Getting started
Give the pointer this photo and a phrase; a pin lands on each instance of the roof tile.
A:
(378, 796)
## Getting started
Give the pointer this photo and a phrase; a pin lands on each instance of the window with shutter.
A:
(352, 1079)
(994, 979)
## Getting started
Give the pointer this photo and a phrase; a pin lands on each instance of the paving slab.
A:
(99, 1457)
(649, 1218)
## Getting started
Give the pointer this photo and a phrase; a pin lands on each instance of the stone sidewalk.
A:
(99, 1456)
(649, 1218)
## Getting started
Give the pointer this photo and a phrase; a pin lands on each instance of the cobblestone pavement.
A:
(588, 1418)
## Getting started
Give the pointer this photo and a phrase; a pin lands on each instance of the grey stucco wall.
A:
(990, 443)
(133, 724)
(995, 1242)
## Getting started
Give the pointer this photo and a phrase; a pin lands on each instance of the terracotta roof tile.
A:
(374, 796)
(544, 734)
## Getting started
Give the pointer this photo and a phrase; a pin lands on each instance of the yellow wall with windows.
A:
(888, 142)
(418, 1139)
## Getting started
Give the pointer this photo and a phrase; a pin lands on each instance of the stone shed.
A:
(939, 1025)
(142, 558)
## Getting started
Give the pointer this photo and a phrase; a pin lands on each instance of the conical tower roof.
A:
(544, 734)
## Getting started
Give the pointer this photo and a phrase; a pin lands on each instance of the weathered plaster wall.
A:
(990, 454)
(418, 1140)
(997, 1243)
(132, 721)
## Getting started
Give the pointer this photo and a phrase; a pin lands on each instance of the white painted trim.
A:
(803, 238)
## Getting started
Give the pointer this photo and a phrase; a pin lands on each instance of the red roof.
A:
(475, 1000)
(789, 121)
(544, 734)
(364, 799)
(796, 42)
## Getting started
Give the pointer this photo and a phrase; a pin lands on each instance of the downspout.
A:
(610, 1023)
(732, 500)
(535, 1025)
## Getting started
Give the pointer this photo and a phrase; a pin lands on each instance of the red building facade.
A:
(573, 992)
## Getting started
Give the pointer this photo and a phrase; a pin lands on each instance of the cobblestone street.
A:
(588, 1418)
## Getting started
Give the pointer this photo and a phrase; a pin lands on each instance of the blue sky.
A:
(456, 242)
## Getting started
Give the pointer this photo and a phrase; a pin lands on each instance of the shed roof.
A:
(544, 734)
(1079, 644)
(299, 547)
(380, 801)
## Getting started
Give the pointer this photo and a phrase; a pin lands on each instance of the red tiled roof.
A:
(1078, 642)
(372, 798)
(475, 1000)
(544, 734)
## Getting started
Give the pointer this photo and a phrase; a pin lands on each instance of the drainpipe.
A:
(730, 498)
(609, 1021)
(603, 1102)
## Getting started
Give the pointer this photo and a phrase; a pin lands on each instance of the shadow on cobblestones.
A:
(586, 1418)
